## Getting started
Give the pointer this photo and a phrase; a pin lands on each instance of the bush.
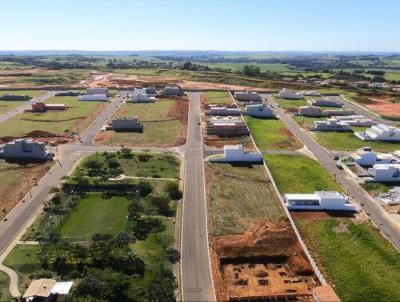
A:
(172, 188)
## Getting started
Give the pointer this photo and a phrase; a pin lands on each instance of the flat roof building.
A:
(366, 157)
(331, 125)
(385, 173)
(127, 124)
(25, 149)
(326, 102)
(290, 95)
(43, 107)
(173, 90)
(222, 110)
(14, 97)
(236, 153)
(380, 132)
(392, 197)
(93, 97)
(247, 96)
(355, 120)
(310, 111)
(97, 90)
(260, 111)
(226, 126)
(319, 201)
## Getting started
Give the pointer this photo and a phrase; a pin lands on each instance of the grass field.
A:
(217, 97)
(361, 264)
(160, 128)
(239, 196)
(272, 134)
(24, 260)
(32, 93)
(59, 77)
(142, 164)
(4, 291)
(77, 115)
(313, 176)
(6, 106)
(94, 214)
(286, 104)
(347, 141)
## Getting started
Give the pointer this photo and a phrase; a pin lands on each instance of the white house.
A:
(356, 120)
(25, 149)
(310, 111)
(310, 93)
(392, 197)
(93, 97)
(259, 110)
(380, 132)
(235, 153)
(288, 94)
(47, 290)
(97, 90)
(141, 98)
(331, 125)
(339, 112)
(319, 201)
(385, 172)
(247, 96)
(325, 102)
(173, 90)
(126, 124)
(366, 157)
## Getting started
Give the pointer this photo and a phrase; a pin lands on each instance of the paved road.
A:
(27, 105)
(196, 273)
(382, 220)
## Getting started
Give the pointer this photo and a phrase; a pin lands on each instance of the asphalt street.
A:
(375, 212)
(197, 282)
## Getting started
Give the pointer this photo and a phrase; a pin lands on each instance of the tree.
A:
(173, 255)
(162, 286)
(161, 202)
(173, 191)
(251, 70)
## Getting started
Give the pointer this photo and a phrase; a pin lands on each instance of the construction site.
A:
(266, 263)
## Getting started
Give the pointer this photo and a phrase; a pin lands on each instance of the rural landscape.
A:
(199, 175)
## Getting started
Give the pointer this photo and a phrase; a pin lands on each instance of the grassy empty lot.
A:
(299, 174)
(286, 104)
(239, 196)
(161, 125)
(94, 214)
(77, 115)
(272, 134)
(4, 284)
(141, 164)
(32, 93)
(217, 97)
(361, 264)
(24, 260)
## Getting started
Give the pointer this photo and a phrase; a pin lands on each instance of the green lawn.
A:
(24, 260)
(59, 77)
(143, 164)
(160, 128)
(361, 264)
(217, 97)
(57, 122)
(93, 214)
(4, 290)
(239, 197)
(32, 93)
(299, 174)
(347, 141)
(272, 134)
(6, 106)
(286, 104)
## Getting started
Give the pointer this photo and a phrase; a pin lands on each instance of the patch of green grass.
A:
(4, 287)
(142, 164)
(32, 93)
(299, 174)
(361, 264)
(160, 128)
(59, 77)
(57, 122)
(239, 197)
(286, 104)
(139, 71)
(24, 260)
(347, 141)
(272, 134)
(94, 214)
(217, 97)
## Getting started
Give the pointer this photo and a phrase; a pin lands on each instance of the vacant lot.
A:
(287, 169)
(24, 260)
(15, 182)
(217, 97)
(77, 117)
(361, 264)
(287, 104)
(95, 214)
(164, 124)
(138, 164)
(347, 141)
(272, 134)
(239, 196)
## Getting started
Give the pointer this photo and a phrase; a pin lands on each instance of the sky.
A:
(242, 25)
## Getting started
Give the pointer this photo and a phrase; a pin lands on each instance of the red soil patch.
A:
(11, 195)
(384, 106)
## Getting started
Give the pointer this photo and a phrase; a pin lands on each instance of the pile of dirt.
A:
(272, 247)
(384, 105)
(180, 110)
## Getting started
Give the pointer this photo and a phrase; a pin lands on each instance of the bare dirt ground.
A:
(267, 261)
(384, 106)
(11, 195)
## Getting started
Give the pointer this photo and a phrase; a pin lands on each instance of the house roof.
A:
(40, 288)
(62, 288)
